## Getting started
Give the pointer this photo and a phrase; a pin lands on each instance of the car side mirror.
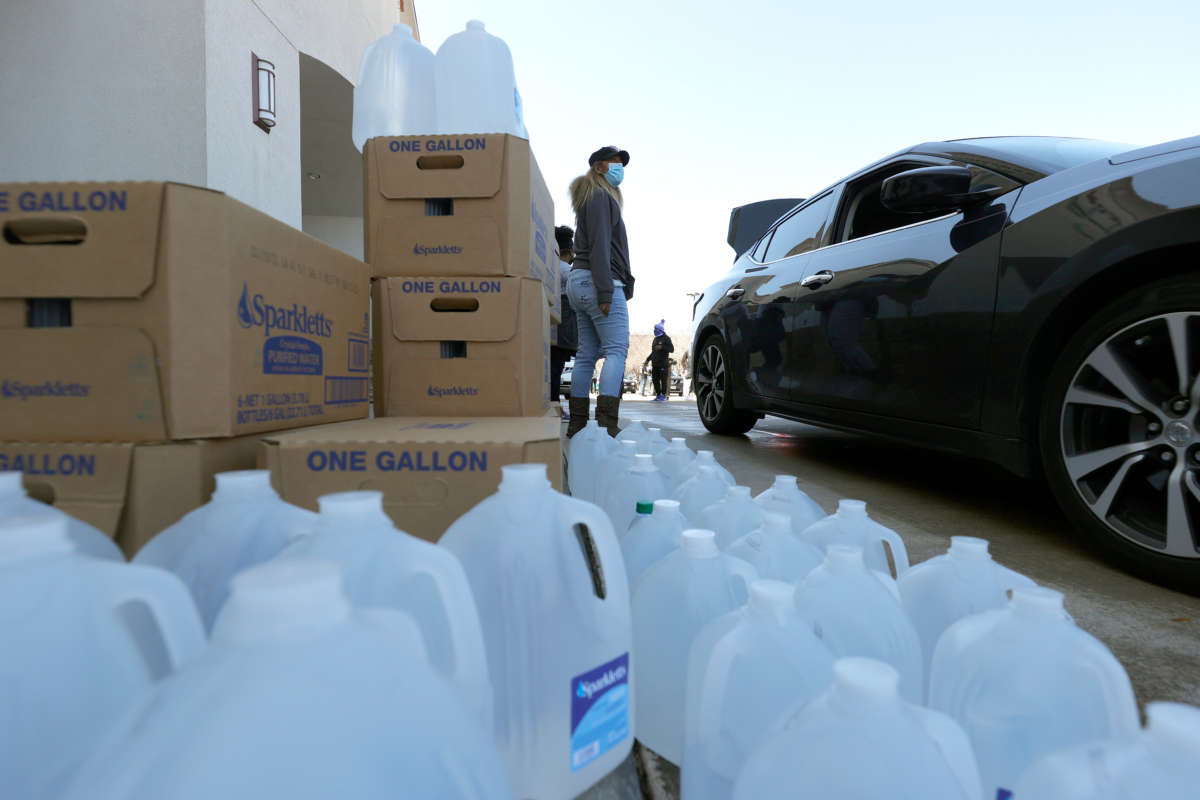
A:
(932, 189)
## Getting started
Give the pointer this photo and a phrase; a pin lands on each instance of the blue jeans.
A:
(599, 336)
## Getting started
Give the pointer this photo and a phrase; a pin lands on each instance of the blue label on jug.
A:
(291, 355)
(599, 711)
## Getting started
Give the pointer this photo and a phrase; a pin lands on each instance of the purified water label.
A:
(599, 711)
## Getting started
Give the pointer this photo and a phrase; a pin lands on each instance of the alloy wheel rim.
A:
(711, 383)
(1130, 433)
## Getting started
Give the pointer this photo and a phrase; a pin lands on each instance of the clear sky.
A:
(725, 103)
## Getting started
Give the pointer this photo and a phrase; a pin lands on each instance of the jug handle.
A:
(712, 701)
(741, 575)
(169, 602)
(955, 747)
(604, 539)
(899, 552)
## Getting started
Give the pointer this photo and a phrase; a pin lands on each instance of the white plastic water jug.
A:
(698, 492)
(850, 525)
(583, 458)
(1163, 762)
(705, 458)
(651, 538)
(856, 611)
(635, 431)
(1024, 681)
(732, 516)
(86, 539)
(672, 603)
(860, 740)
(299, 695)
(476, 85)
(611, 466)
(395, 95)
(656, 441)
(245, 523)
(961, 582)
(674, 462)
(385, 567)
(775, 551)
(82, 638)
(786, 497)
(641, 483)
(548, 580)
(746, 671)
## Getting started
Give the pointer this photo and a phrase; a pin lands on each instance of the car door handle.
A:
(817, 280)
(735, 292)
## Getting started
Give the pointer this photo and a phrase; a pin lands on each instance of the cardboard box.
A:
(464, 205)
(462, 347)
(181, 314)
(131, 491)
(430, 471)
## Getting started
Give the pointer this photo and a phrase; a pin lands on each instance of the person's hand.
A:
(604, 308)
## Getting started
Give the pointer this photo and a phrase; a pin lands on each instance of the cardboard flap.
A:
(442, 245)
(467, 165)
(422, 430)
(87, 481)
(113, 369)
(78, 239)
(454, 309)
(458, 386)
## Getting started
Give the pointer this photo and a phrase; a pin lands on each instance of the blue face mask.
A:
(615, 174)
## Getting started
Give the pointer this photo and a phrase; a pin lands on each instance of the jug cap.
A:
(347, 503)
(240, 482)
(738, 492)
(785, 481)
(969, 547)
(1176, 725)
(629, 444)
(666, 505)
(523, 477)
(865, 681)
(474, 25)
(857, 508)
(841, 557)
(697, 543)
(775, 600)
(10, 483)
(705, 455)
(679, 440)
(400, 27)
(1037, 601)
(25, 536)
(655, 430)
(645, 508)
(281, 599)
(643, 462)
(775, 521)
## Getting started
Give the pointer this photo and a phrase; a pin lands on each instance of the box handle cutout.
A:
(45, 230)
(454, 349)
(454, 304)
(439, 206)
(440, 162)
(591, 557)
(48, 312)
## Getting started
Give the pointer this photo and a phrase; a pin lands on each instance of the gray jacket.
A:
(602, 247)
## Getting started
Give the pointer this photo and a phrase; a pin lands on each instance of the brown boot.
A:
(579, 415)
(608, 413)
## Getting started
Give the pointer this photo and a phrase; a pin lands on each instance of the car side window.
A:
(803, 231)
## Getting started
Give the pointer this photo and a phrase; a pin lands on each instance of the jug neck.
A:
(777, 523)
(705, 457)
(844, 558)
(699, 544)
(864, 684)
(738, 494)
(10, 485)
(679, 445)
(969, 549)
(851, 509)
(283, 600)
(26, 537)
(1038, 602)
(1174, 727)
(402, 30)
(517, 480)
(643, 463)
(772, 601)
(785, 484)
(247, 485)
(347, 512)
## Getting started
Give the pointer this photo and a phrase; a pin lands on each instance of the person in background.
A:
(685, 366)
(660, 361)
(599, 287)
(568, 331)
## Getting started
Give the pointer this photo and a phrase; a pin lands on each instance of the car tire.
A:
(712, 387)
(1119, 432)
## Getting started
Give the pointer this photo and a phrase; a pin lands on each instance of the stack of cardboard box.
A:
(151, 332)
(459, 237)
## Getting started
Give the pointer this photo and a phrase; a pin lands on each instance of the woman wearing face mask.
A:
(598, 287)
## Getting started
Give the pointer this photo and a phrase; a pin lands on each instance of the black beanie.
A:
(565, 237)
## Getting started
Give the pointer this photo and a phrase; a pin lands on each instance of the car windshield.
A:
(1053, 151)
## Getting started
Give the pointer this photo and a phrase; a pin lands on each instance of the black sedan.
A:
(1032, 301)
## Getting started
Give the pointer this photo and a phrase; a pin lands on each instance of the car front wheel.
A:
(714, 399)
(1120, 431)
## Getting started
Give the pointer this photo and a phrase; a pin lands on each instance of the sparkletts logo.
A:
(587, 689)
(253, 311)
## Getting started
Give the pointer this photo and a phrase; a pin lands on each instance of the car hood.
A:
(1175, 146)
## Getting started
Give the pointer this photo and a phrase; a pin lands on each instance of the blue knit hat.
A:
(660, 328)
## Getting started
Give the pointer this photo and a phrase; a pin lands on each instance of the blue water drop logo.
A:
(243, 310)
(581, 692)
